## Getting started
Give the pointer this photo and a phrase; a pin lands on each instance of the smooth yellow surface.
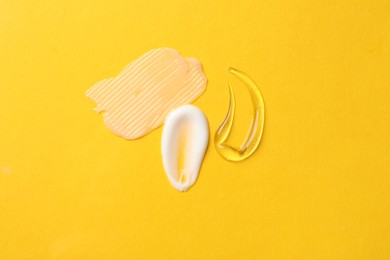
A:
(317, 188)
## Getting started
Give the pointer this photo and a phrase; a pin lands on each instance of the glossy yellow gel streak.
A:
(255, 131)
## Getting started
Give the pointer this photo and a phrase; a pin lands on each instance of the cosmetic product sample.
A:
(184, 142)
(255, 130)
(138, 100)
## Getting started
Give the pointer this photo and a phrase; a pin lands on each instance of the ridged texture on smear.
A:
(141, 96)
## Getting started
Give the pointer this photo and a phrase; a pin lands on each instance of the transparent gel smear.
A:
(256, 126)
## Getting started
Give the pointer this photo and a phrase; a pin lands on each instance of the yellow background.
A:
(317, 188)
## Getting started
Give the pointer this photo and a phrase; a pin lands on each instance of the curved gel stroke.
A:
(255, 131)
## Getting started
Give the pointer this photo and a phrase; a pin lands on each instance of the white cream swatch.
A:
(184, 118)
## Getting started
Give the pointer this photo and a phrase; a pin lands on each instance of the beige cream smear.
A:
(138, 100)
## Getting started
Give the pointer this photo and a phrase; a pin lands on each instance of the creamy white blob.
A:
(186, 124)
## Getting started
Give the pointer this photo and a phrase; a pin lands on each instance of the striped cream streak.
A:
(116, 86)
(168, 107)
(122, 81)
(142, 118)
(131, 87)
(145, 116)
(180, 97)
(130, 67)
(140, 103)
(145, 93)
(166, 111)
(148, 97)
(97, 86)
(156, 96)
(146, 90)
(154, 104)
(127, 80)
